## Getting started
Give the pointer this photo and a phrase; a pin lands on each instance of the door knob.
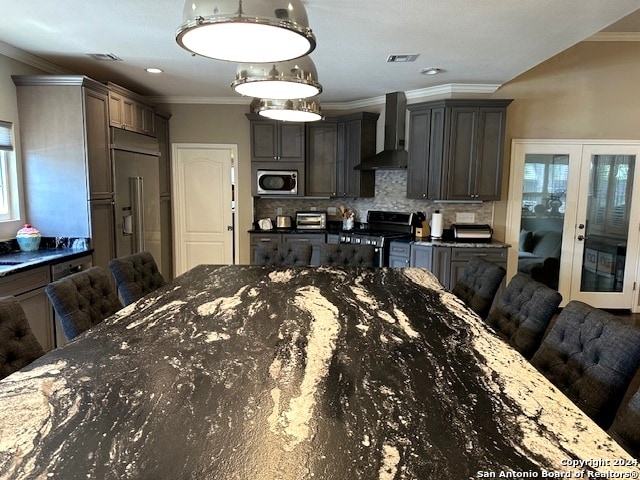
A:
(581, 237)
(581, 226)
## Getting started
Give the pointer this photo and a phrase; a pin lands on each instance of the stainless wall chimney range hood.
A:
(394, 156)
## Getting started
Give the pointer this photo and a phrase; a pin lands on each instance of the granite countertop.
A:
(247, 372)
(14, 262)
(458, 243)
(294, 230)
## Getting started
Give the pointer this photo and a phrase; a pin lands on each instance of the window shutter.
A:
(6, 142)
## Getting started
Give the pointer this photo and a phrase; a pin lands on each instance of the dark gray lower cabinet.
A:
(446, 263)
(399, 254)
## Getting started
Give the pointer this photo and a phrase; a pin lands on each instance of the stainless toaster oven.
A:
(311, 220)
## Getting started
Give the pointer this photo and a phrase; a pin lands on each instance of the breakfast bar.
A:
(289, 373)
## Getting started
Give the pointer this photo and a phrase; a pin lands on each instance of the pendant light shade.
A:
(283, 80)
(300, 110)
(246, 30)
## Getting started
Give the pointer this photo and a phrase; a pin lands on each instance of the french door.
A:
(578, 194)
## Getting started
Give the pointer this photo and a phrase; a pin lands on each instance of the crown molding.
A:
(420, 94)
(185, 99)
(31, 60)
(423, 93)
(614, 37)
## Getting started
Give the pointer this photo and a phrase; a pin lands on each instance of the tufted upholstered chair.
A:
(285, 253)
(523, 312)
(478, 283)
(591, 357)
(626, 425)
(347, 255)
(136, 275)
(83, 300)
(18, 345)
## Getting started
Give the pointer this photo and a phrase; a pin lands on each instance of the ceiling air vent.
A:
(105, 57)
(402, 58)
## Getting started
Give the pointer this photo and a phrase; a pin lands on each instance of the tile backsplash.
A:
(390, 194)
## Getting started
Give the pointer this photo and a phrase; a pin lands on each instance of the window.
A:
(7, 169)
(545, 184)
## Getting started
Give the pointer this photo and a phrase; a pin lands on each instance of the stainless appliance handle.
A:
(137, 203)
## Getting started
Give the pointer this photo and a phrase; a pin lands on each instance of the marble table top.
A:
(246, 372)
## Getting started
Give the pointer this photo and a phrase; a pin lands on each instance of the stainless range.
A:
(381, 228)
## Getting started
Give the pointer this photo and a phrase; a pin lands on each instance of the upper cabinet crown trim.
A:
(60, 80)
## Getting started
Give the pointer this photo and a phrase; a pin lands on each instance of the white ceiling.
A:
(480, 44)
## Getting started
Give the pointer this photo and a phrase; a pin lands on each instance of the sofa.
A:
(539, 255)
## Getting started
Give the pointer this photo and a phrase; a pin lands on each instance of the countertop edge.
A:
(39, 258)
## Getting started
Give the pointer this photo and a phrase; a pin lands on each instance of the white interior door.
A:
(590, 204)
(605, 237)
(202, 204)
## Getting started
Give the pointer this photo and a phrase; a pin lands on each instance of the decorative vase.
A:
(28, 238)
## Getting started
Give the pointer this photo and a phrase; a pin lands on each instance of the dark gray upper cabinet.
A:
(356, 141)
(331, 149)
(455, 149)
(273, 140)
(426, 142)
(322, 157)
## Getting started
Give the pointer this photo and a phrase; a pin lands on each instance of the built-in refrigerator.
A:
(137, 193)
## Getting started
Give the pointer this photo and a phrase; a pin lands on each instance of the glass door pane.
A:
(604, 266)
(607, 225)
(544, 189)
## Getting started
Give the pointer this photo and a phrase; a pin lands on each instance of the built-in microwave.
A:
(277, 182)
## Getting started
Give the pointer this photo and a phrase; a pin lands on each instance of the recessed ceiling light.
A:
(431, 71)
(154, 70)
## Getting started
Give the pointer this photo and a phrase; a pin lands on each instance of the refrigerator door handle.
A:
(137, 201)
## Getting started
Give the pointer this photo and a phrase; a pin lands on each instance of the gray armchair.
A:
(523, 312)
(347, 255)
(83, 300)
(285, 253)
(626, 425)
(591, 357)
(136, 276)
(478, 283)
(18, 345)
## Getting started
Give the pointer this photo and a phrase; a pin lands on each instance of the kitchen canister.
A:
(436, 224)
(28, 238)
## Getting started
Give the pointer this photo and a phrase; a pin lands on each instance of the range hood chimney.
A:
(394, 156)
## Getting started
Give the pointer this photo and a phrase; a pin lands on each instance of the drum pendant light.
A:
(300, 110)
(292, 79)
(246, 31)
